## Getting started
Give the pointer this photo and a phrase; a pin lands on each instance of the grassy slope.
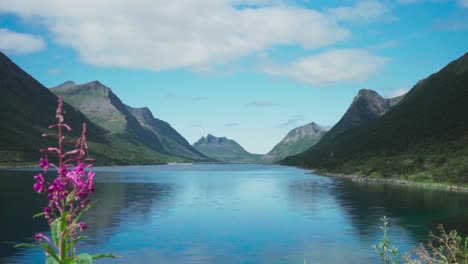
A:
(424, 138)
(136, 145)
(27, 108)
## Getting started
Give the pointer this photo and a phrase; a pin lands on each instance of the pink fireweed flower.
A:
(82, 226)
(68, 193)
(91, 181)
(44, 163)
(47, 211)
(39, 184)
(39, 237)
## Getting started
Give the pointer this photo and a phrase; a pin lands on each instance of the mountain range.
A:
(103, 107)
(117, 133)
(422, 136)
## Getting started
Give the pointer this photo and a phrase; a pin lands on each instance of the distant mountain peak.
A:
(213, 139)
(70, 88)
(96, 86)
(171, 140)
(65, 85)
(368, 95)
(365, 92)
(224, 149)
(68, 83)
(296, 141)
(367, 106)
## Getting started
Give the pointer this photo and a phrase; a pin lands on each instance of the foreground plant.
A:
(67, 195)
(387, 252)
(442, 248)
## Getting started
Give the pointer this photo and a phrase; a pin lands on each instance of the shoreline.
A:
(355, 178)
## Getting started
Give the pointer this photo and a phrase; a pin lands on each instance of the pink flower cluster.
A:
(69, 191)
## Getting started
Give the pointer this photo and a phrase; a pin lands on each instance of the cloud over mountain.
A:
(19, 43)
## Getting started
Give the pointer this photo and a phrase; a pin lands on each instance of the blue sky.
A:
(250, 70)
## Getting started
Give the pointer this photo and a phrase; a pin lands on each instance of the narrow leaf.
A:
(25, 245)
(105, 255)
(55, 230)
(38, 214)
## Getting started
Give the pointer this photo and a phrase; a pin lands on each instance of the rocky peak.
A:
(216, 140)
(302, 131)
(96, 86)
(366, 107)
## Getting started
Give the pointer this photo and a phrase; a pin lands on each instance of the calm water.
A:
(233, 214)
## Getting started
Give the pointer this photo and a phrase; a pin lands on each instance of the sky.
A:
(250, 70)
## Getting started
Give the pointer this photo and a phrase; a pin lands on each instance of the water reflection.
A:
(414, 209)
(16, 224)
(233, 214)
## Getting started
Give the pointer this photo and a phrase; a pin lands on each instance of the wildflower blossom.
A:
(67, 194)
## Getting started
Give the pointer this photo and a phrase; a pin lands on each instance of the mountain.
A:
(423, 137)
(27, 109)
(170, 139)
(133, 127)
(296, 141)
(225, 150)
(366, 107)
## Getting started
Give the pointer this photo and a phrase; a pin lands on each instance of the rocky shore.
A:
(355, 178)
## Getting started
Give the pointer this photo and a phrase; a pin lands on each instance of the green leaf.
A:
(77, 218)
(25, 245)
(51, 260)
(73, 242)
(84, 258)
(105, 255)
(38, 214)
(70, 197)
(55, 230)
(69, 260)
(64, 235)
(47, 248)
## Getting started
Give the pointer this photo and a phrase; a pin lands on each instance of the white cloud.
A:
(362, 11)
(19, 43)
(463, 3)
(293, 121)
(159, 35)
(337, 65)
(54, 71)
(398, 92)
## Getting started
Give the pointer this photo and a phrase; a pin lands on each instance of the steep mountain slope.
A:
(27, 108)
(366, 107)
(424, 136)
(135, 126)
(296, 141)
(170, 139)
(224, 149)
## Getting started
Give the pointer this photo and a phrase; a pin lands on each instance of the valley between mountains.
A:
(420, 136)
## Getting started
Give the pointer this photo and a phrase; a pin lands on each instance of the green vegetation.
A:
(423, 138)
(131, 127)
(27, 110)
(442, 248)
